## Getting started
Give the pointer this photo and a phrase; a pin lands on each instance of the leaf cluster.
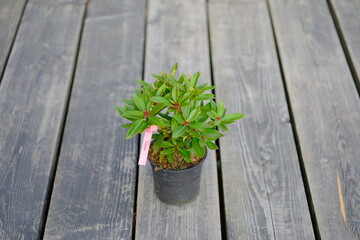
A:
(187, 116)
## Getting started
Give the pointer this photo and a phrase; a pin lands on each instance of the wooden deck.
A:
(289, 170)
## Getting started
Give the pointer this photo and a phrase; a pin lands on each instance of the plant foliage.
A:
(187, 116)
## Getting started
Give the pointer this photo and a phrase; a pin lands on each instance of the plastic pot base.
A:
(177, 187)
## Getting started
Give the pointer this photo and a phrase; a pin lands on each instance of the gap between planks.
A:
(344, 45)
(296, 138)
(217, 152)
(61, 132)
(2, 71)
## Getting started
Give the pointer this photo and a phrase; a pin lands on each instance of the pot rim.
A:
(180, 170)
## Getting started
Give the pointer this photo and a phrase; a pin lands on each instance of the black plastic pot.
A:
(177, 186)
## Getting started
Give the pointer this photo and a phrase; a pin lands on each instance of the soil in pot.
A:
(178, 163)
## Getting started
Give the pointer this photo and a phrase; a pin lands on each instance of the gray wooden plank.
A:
(263, 188)
(326, 108)
(106, 8)
(234, 1)
(177, 32)
(10, 15)
(348, 16)
(33, 97)
(93, 196)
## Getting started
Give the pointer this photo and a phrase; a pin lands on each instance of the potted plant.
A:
(187, 119)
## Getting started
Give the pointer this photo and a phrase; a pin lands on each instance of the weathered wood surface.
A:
(10, 15)
(33, 95)
(94, 188)
(326, 108)
(347, 15)
(263, 188)
(177, 32)
(109, 8)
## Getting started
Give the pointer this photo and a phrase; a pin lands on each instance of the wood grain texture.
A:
(326, 108)
(94, 188)
(348, 18)
(33, 95)
(177, 32)
(108, 8)
(263, 188)
(10, 15)
(235, 1)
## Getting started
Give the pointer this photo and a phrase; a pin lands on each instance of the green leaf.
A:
(157, 144)
(161, 89)
(138, 92)
(199, 151)
(196, 126)
(166, 123)
(217, 122)
(174, 124)
(194, 134)
(208, 107)
(135, 127)
(202, 117)
(165, 116)
(205, 96)
(194, 79)
(145, 125)
(120, 110)
(220, 108)
(205, 89)
(182, 88)
(157, 121)
(205, 125)
(181, 78)
(166, 144)
(174, 93)
(212, 115)
(179, 130)
(133, 114)
(148, 105)
(161, 78)
(171, 80)
(126, 125)
(185, 154)
(211, 145)
(173, 69)
(233, 117)
(157, 108)
(170, 157)
(139, 102)
(157, 136)
(184, 97)
(130, 102)
(202, 86)
(212, 134)
(142, 83)
(186, 81)
(149, 90)
(161, 100)
(178, 118)
(169, 153)
(186, 111)
(224, 113)
(193, 114)
(185, 104)
(223, 127)
(202, 142)
(168, 150)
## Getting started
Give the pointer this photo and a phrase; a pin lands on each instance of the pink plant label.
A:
(146, 144)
